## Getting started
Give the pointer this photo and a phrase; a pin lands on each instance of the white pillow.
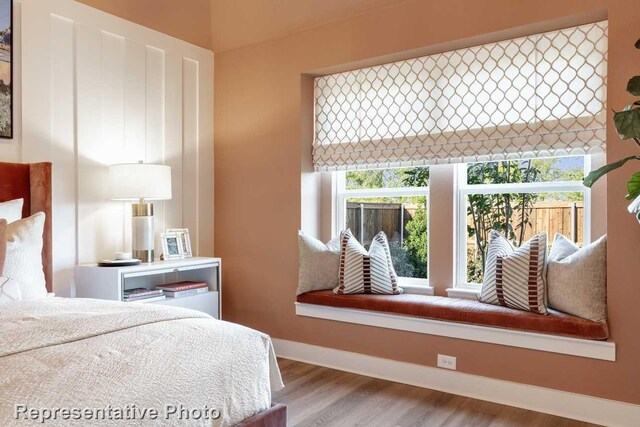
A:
(513, 277)
(11, 210)
(23, 262)
(319, 264)
(363, 272)
(9, 290)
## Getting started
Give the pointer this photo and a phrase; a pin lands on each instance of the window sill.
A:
(603, 350)
(461, 292)
(411, 288)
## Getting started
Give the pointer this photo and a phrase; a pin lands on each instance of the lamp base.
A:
(142, 227)
(143, 255)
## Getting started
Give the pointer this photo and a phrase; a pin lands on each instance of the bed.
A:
(91, 362)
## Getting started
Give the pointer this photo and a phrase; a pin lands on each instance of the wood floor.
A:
(318, 396)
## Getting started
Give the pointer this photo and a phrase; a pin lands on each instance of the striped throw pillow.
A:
(363, 272)
(515, 277)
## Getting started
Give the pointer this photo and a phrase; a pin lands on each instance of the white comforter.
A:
(86, 356)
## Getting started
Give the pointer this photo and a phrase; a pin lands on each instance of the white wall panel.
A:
(63, 144)
(173, 137)
(190, 143)
(99, 90)
(135, 102)
(95, 240)
(155, 137)
(205, 159)
(112, 141)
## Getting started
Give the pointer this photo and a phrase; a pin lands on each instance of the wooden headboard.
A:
(31, 182)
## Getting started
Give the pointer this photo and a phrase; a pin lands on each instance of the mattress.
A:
(88, 362)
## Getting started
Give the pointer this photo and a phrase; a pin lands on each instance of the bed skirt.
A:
(276, 416)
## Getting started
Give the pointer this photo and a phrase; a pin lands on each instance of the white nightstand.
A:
(110, 282)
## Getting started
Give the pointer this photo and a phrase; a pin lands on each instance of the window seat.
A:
(463, 311)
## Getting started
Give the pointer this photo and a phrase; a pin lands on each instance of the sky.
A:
(568, 163)
(5, 14)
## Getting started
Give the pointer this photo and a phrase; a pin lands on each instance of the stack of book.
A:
(183, 289)
(142, 294)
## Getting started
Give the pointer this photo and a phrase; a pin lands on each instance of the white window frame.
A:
(410, 284)
(458, 285)
(461, 285)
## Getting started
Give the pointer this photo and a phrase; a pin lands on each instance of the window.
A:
(519, 198)
(471, 116)
(394, 201)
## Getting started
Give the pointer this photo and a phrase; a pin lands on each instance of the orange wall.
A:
(190, 21)
(258, 132)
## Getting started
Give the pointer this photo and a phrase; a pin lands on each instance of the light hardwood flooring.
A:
(317, 396)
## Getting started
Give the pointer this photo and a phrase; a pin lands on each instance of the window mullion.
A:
(529, 187)
(387, 192)
(442, 226)
(460, 238)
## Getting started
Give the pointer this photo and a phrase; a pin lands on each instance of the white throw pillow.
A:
(319, 263)
(11, 210)
(513, 277)
(363, 272)
(23, 262)
(9, 290)
(577, 278)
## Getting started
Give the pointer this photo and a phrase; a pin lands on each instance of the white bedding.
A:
(81, 353)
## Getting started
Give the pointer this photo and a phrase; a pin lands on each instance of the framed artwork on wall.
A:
(6, 69)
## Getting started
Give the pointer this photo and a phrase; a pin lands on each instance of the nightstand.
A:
(110, 282)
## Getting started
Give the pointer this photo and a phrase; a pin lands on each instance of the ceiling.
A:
(189, 22)
(239, 23)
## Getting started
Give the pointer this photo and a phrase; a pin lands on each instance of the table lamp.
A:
(141, 182)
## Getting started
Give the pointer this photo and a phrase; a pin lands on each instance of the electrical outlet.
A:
(446, 362)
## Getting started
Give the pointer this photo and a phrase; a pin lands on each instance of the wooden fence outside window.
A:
(367, 219)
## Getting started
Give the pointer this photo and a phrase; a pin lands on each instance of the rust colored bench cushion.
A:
(464, 311)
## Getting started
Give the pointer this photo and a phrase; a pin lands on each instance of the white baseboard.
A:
(540, 399)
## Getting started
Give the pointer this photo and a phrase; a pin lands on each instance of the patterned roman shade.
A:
(535, 96)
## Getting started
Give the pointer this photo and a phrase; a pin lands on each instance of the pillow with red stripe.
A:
(515, 277)
(366, 272)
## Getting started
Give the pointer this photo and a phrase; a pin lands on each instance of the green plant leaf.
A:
(627, 122)
(595, 175)
(633, 86)
(633, 186)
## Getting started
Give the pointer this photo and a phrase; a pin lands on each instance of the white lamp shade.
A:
(133, 181)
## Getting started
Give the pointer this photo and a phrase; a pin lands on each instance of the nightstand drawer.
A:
(169, 270)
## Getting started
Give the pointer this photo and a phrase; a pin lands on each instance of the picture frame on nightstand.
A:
(172, 248)
(185, 240)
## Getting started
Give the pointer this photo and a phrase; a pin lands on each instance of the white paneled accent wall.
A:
(98, 90)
